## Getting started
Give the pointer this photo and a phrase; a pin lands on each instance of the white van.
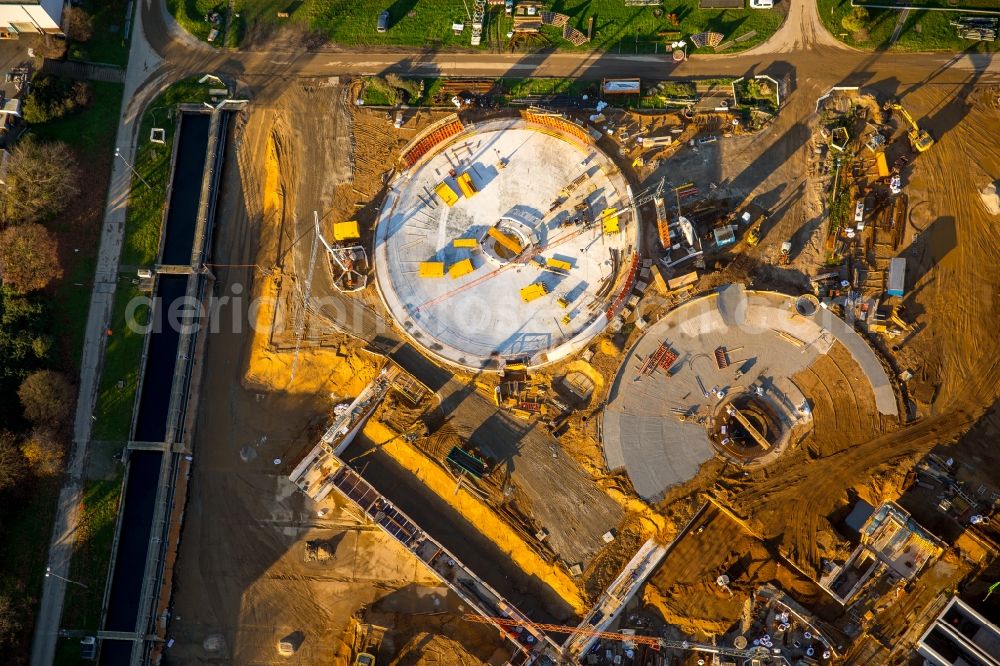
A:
(761, 4)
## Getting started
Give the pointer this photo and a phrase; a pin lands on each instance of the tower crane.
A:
(651, 641)
(920, 139)
(636, 200)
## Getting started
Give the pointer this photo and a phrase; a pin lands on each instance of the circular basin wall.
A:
(464, 301)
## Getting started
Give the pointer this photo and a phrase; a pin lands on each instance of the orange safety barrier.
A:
(434, 137)
(558, 123)
(626, 288)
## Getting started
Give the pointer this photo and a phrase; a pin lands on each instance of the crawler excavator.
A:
(920, 139)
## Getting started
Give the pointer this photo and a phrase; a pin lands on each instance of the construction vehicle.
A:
(881, 320)
(897, 320)
(920, 139)
(367, 641)
(753, 235)
(506, 623)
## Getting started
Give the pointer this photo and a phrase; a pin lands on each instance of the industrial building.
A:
(960, 636)
(29, 17)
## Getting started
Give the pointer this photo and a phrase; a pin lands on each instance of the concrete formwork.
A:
(518, 171)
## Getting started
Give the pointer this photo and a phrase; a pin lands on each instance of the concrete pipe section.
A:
(502, 207)
(714, 377)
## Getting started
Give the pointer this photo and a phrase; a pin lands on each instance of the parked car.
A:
(761, 4)
(383, 21)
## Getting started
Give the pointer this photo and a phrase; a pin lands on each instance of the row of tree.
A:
(41, 180)
(36, 400)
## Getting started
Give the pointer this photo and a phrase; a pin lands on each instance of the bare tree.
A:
(44, 452)
(29, 257)
(13, 467)
(41, 180)
(47, 397)
(52, 47)
(79, 24)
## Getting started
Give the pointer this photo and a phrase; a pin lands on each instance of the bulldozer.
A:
(753, 235)
(920, 139)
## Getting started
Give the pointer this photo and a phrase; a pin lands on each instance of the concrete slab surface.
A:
(468, 319)
(765, 338)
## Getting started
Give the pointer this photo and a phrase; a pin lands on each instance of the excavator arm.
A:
(920, 139)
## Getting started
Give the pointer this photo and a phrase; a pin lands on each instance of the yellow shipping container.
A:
(468, 187)
(431, 269)
(448, 195)
(610, 221)
(343, 231)
(470, 243)
(533, 291)
(461, 268)
(505, 240)
(880, 164)
(559, 264)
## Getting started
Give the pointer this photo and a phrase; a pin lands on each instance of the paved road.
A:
(801, 51)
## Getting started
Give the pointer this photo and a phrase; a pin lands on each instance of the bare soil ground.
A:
(241, 512)
(857, 453)
(685, 590)
(247, 576)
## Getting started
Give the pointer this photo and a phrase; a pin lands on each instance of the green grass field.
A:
(428, 22)
(91, 134)
(922, 31)
(759, 94)
(190, 14)
(122, 356)
(108, 44)
(152, 162)
(92, 556)
(90, 564)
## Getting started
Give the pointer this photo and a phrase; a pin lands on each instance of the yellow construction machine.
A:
(753, 235)
(920, 139)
